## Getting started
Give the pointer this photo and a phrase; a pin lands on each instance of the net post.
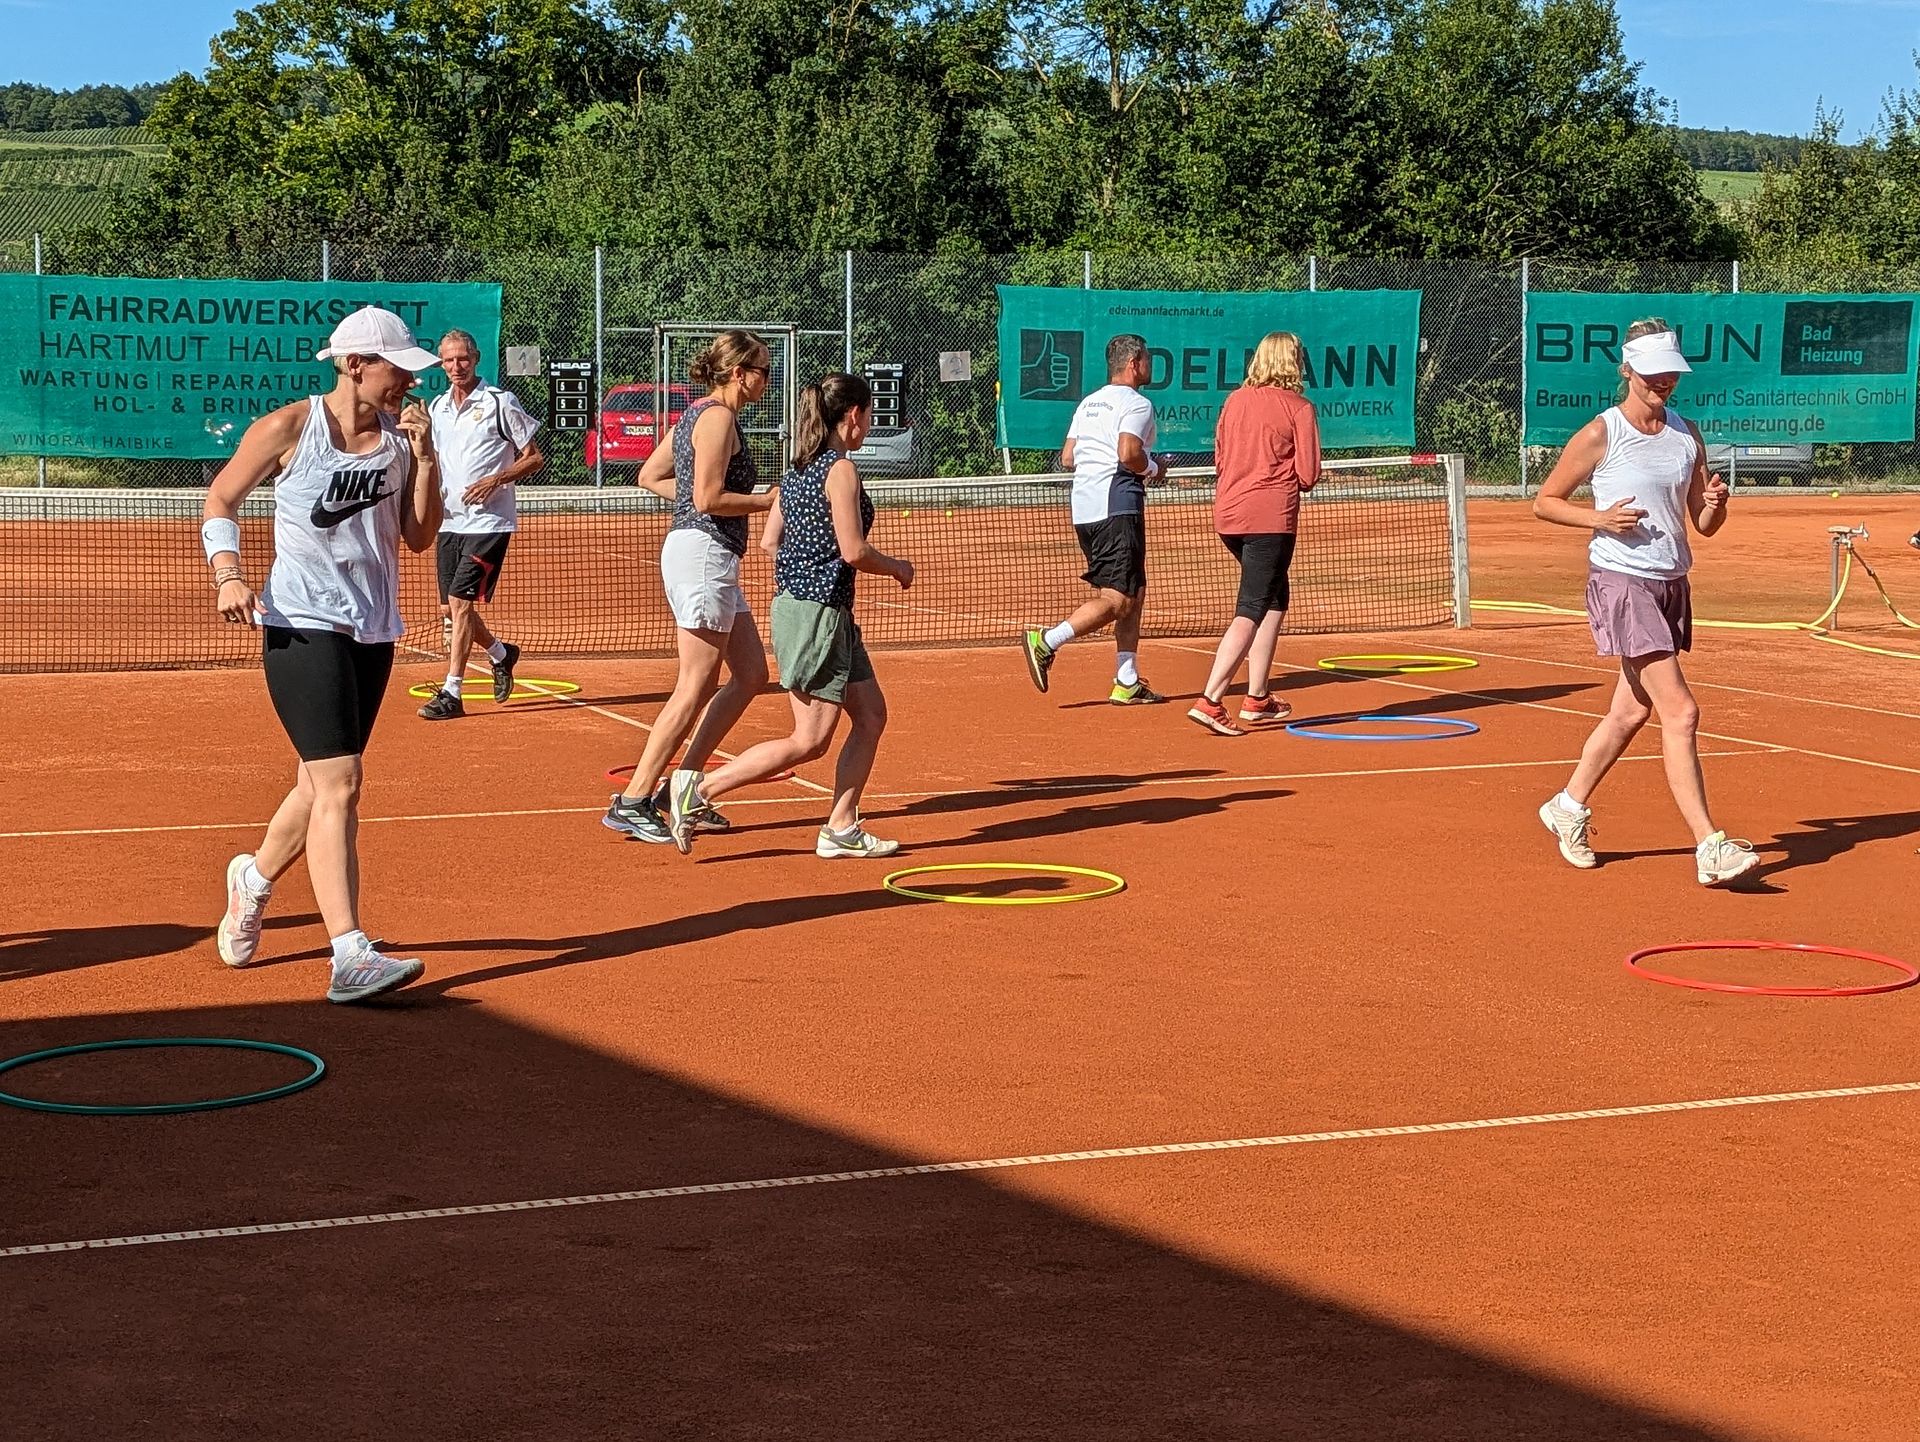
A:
(1456, 470)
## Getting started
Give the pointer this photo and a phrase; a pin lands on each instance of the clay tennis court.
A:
(1343, 1121)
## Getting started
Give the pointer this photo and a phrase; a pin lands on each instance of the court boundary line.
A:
(984, 1164)
(1042, 789)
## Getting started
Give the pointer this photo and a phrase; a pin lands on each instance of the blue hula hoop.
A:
(1447, 728)
(162, 1108)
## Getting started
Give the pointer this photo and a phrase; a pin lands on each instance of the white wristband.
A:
(217, 534)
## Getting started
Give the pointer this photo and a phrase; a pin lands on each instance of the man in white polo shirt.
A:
(484, 438)
(1110, 452)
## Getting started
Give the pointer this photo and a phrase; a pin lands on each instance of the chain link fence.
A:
(624, 309)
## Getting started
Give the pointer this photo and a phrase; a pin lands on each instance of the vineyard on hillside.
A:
(57, 180)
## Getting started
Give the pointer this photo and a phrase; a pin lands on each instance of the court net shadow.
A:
(926, 1307)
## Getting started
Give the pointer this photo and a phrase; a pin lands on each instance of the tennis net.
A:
(115, 580)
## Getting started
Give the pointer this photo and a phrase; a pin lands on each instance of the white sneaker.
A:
(1572, 827)
(366, 973)
(238, 935)
(1720, 858)
(684, 807)
(857, 842)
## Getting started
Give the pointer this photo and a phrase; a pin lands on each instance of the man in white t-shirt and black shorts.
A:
(1109, 449)
(484, 439)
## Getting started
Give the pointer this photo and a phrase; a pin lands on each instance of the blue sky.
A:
(1738, 64)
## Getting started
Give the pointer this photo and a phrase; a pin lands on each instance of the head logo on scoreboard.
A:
(1052, 364)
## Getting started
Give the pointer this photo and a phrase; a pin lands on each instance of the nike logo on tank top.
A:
(1652, 472)
(336, 535)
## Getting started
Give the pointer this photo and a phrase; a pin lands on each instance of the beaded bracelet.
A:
(226, 574)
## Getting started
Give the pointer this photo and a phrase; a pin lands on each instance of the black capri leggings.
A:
(326, 689)
(1264, 560)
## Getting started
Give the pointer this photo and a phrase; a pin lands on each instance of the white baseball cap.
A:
(373, 331)
(1655, 355)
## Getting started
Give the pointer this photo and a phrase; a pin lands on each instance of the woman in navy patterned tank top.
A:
(818, 532)
(709, 475)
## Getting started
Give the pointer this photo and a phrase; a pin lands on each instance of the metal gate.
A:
(768, 422)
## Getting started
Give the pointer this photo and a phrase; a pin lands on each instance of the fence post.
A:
(848, 323)
(40, 461)
(1736, 277)
(1313, 272)
(326, 258)
(599, 359)
(1086, 270)
(1525, 280)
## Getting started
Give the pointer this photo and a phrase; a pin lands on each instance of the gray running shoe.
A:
(639, 819)
(1720, 858)
(366, 973)
(443, 706)
(858, 842)
(503, 672)
(1573, 829)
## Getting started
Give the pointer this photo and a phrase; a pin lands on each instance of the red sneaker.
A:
(1213, 716)
(1264, 708)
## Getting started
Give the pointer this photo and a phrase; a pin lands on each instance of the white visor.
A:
(1655, 355)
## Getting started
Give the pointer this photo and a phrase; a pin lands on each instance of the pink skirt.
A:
(1635, 616)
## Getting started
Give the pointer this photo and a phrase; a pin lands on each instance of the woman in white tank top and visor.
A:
(351, 483)
(1648, 471)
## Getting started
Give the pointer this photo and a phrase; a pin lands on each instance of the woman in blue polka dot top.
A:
(818, 533)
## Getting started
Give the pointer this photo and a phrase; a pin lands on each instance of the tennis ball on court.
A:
(905, 514)
(1834, 494)
(949, 515)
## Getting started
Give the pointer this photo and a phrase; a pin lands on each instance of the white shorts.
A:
(703, 582)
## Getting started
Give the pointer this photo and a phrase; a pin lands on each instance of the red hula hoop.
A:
(1909, 973)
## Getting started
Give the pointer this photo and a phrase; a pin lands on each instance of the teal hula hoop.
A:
(162, 1108)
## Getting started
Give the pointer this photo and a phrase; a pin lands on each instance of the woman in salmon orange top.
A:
(1266, 448)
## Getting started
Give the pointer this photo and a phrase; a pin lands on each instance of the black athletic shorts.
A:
(1116, 552)
(470, 565)
(326, 688)
(1264, 560)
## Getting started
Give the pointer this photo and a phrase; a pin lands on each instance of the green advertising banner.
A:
(94, 366)
(1361, 345)
(1767, 369)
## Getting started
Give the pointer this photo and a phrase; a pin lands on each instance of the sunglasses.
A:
(761, 370)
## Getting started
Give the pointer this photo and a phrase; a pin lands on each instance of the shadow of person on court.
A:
(52, 950)
(1828, 838)
(1450, 703)
(1008, 793)
(1066, 821)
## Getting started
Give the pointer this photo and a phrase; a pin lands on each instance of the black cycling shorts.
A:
(1264, 560)
(1116, 552)
(326, 689)
(470, 564)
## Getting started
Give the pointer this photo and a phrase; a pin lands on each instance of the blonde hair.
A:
(1646, 325)
(1279, 360)
(724, 355)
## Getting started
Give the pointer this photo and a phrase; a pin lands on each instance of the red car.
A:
(627, 428)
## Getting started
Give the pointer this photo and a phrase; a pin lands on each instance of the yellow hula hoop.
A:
(1398, 665)
(426, 690)
(1114, 883)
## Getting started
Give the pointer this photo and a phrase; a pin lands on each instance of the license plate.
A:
(636, 430)
(1763, 450)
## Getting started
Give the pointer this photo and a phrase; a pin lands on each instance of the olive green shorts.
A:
(818, 649)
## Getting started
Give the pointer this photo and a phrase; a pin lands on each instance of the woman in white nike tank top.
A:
(352, 484)
(1648, 471)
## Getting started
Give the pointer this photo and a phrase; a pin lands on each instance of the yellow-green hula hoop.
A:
(426, 690)
(1392, 665)
(1114, 883)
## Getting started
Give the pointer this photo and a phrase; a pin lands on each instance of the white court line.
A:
(1041, 789)
(1776, 746)
(927, 1169)
(1699, 684)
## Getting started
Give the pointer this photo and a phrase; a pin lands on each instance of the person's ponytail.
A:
(823, 405)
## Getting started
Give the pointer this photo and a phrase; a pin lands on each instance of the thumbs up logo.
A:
(1050, 364)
